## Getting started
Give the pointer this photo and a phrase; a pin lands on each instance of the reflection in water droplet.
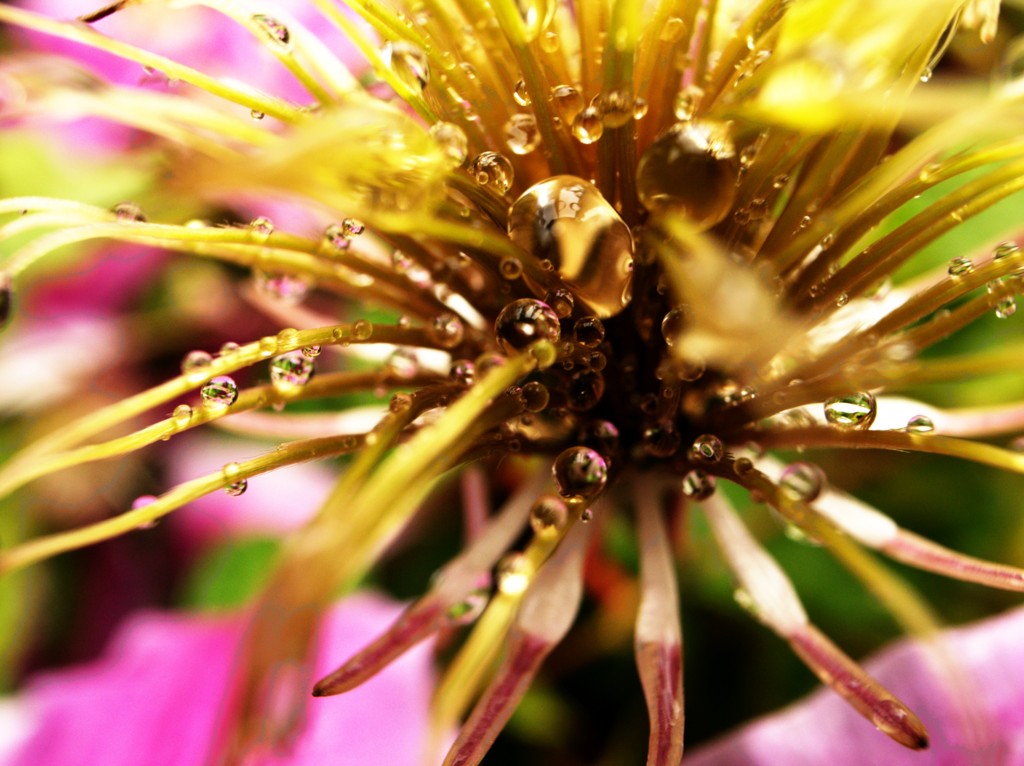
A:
(447, 329)
(291, 370)
(697, 485)
(803, 481)
(687, 102)
(920, 424)
(523, 322)
(274, 31)
(521, 133)
(580, 472)
(588, 125)
(1005, 250)
(960, 266)
(536, 16)
(472, 606)
(453, 142)
(261, 228)
(588, 332)
(195, 362)
(493, 170)
(521, 94)
(690, 170)
(548, 516)
(566, 221)
(707, 448)
(567, 102)
(219, 392)
(856, 411)
(129, 211)
(409, 63)
(182, 415)
(463, 372)
(287, 288)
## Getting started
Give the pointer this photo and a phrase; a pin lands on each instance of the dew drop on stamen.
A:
(565, 221)
(409, 63)
(447, 329)
(588, 332)
(403, 363)
(463, 372)
(261, 228)
(291, 371)
(548, 516)
(524, 322)
(661, 439)
(567, 101)
(960, 266)
(707, 448)
(287, 288)
(141, 502)
(691, 171)
(855, 411)
(588, 125)
(1005, 250)
(803, 481)
(182, 415)
(920, 424)
(352, 227)
(195, 362)
(536, 16)
(470, 608)
(276, 32)
(233, 484)
(672, 325)
(585, 390)
(334, 238)
(220, 392)
(492, 170)
(1006, 307)
(579, 472)
(561, 301)
(535, 396)
(453, 142)
(617, 109)
(522, 135)
(687, 101)
(362, 330)
(521, 94)
(129, 211)
(640, 108)
(697, 485)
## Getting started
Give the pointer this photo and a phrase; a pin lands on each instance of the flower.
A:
(167, 673)
(608, 262)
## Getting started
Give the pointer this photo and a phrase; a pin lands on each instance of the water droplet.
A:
(142, 501)
(548, 516)
(687, 101)
(535, 396)
(588, 125)
(1006, 307)
(453, 142)
(640, 108)
(268, 345)
(588, 332)
(523, 322)
(521, 94)
(352, 227)
(602, 436)
(585, 390)
(290, 371)
(182, 416)
(672, 325)
(567, 101)
(261, 228)
(196, 362)
(960, 266)
(550, 42)
(447, 329)
(920, 424)
(803, 481)
(129, 211)
(233, 484)
(287, 288)
(561, 301)
(617, 109)
(673, 29)
(409, 63)
(707, 448)
(311, 351)
(780, 180)
(690, 170)
(743, 466)
(362, 330)
(403, 363)
(698, 486)
(463, 372)
(1005, 250)
(566, 221)
(470, 608)
(256, 114)
(274, 31)
(334, 238)
(856, 411)
(493, 170)
(400, 403)
(521, 133)
(228, 348)
(510, 267)
(536, 16)
(661, 439)
(512, 574)
(219, 392)
(580, 472)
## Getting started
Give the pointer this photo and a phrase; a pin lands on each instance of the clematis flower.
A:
(608, 266)
(167, 673)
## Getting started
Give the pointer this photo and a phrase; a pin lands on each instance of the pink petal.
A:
(969, 694)
(156, 696)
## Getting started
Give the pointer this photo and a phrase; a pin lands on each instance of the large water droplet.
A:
(220, 392)
(707, 448)
(690, 170)
(920, 424)
(580, 472)
(588, 332)
(588, 125)
(567, 102)
(856, 411)
(234, 485)
(447, 329)
(524, 322)
(493, 170)
(566, 221)
(290, 371)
